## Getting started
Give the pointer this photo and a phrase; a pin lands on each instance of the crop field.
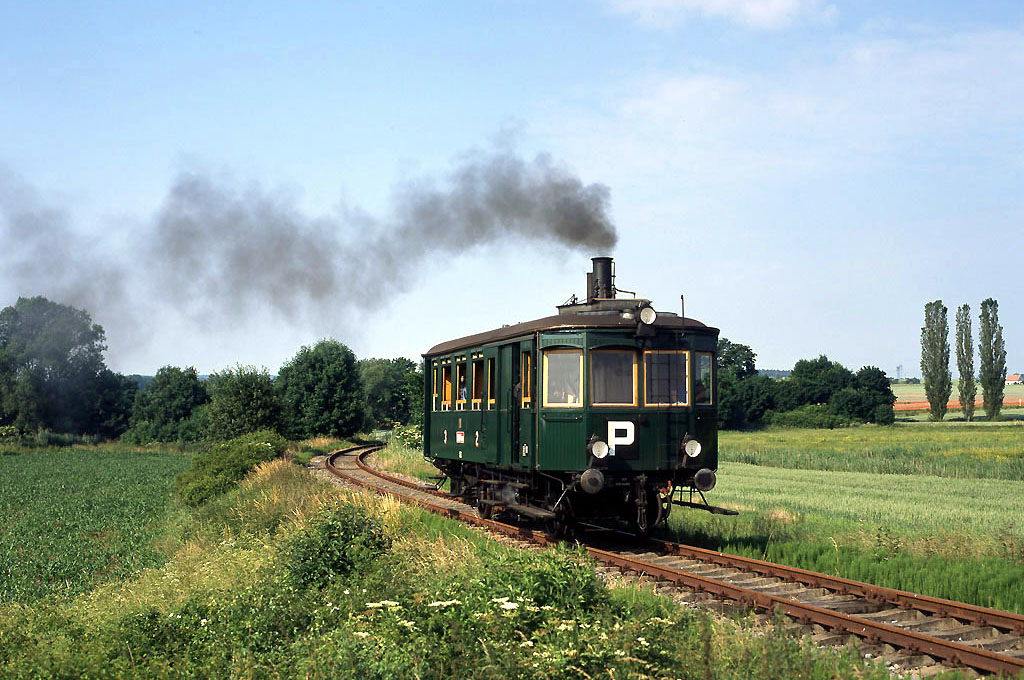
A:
(912, 397)
(71, 518)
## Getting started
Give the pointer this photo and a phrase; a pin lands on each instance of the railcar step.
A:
(531, 511)
(514, 485)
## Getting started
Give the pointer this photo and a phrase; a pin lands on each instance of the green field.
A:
(71, 518)
(1013, 395)
(952, 450)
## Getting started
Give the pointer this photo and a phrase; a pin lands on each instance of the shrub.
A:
(409, 435)
(336, 540)
(218, 467)
(811, 415)
(884, 414)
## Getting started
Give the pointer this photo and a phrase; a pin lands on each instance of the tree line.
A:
(817, 393)
(54, 381)
(935, 356)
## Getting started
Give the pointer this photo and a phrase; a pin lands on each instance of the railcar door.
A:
(508, 396)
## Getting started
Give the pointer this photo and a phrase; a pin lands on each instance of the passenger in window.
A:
(700, 393)
(462, 388)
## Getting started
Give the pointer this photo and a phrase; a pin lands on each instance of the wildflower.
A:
(407, 624)
(203, 622)
(390, 603)
(526, 643)
(564, 626)
(500, 599)
(510, 605)
(444, 603)
(346, 591)
(643, 642)
(619, 652)
(361, 634)
(374, 605)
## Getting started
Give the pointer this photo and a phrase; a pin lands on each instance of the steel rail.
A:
(1007, 621)
(955, 653)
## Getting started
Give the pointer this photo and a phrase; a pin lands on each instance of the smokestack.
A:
(601, 282)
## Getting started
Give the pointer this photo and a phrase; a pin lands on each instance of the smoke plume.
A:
(217, 254)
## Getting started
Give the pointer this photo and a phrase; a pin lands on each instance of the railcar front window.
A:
(613, 378)
(563, 378)
(702, 383)
(665, 378)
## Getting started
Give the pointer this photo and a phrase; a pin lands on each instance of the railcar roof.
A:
(561, 322)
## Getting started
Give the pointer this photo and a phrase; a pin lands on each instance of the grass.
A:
(72, 518)
(303, 451)
(442, 601)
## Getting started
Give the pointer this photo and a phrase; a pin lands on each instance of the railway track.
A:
(904, 630)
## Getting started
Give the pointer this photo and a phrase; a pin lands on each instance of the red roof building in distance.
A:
(1015, 379)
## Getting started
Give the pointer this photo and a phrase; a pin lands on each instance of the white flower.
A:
(361, 634)
(500, 599)
(444, 603)
(374, 605)
(390, 603)
(510, 605)
(203, 622)
(526, 643)
(643, 642)
(346, 591)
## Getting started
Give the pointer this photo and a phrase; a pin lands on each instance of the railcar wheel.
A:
(485, 510)
(564, 523)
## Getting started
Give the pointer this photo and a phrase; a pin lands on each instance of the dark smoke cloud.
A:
(219, 254)
(223, 253)
(42, 255)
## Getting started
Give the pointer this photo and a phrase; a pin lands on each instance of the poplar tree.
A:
(967, 387)
(993, 358)
(935, 358)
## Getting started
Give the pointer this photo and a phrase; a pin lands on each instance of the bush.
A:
(338, 540)
(218, 467)
(409, 435)
(242, 399)
(811, 415)
(884, 414)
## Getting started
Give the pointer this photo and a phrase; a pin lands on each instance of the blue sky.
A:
(808, 174)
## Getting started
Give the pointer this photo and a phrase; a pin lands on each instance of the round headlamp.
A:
(598, 448)
(648, 315)
(692, 448)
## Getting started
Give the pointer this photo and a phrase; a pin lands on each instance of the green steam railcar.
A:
(606, 409)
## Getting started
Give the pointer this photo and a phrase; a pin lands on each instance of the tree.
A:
(992, 353)
(392, 387)
(242, 400)
(935, 358)
(52, 374)
(737, 358)
(163, 410)
(966, 387)
(321, 392)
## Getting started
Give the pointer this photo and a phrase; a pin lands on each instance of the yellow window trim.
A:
(636, 397)
(544, 390)
(689, 363)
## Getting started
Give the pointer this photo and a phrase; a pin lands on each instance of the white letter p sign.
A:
(620, 433)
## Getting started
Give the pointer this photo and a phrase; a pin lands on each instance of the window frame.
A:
(526, 384)
(544, 391)
(636, 396)
(686, 378)
(446, 386)
(476, 403)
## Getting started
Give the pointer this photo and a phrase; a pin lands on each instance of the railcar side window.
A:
(563, 378)
(478, 385)
(460, 381)
(702, 381)
(446, 383)
(491, 389)
(526, 388)
(665, 378)
(613, 378)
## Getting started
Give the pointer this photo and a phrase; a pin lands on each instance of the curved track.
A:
(903, 629)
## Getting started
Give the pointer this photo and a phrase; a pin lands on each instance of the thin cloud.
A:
(755, 14)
